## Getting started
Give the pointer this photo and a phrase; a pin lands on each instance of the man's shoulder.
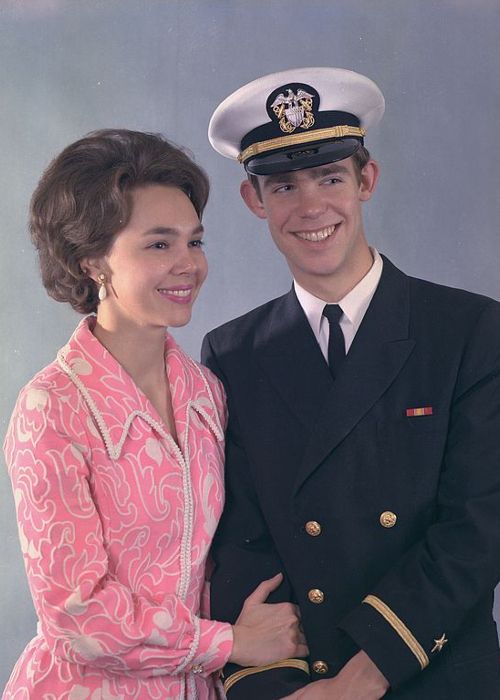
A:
(448, 292)
(435, 298)
(242, 329)
(461, 304)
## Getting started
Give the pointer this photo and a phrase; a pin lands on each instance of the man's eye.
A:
(332, 180)
(159, 245)
(197, 244)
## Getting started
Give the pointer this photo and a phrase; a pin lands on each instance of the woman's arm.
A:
(88, 616)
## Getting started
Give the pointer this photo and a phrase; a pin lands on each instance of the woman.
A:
(115, 449)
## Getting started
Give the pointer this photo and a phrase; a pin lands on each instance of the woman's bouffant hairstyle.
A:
(84, 199)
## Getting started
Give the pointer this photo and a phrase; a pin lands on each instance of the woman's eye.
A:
(159, 245)
(197, 244)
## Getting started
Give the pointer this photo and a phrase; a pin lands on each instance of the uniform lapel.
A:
(288, 352)
(379, 351)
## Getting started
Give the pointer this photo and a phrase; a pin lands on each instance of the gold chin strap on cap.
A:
(333, 132)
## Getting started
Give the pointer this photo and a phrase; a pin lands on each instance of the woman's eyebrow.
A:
(170, 231)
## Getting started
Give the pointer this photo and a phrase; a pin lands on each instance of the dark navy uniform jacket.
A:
(377, 494)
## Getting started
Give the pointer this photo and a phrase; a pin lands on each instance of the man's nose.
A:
(310, 205)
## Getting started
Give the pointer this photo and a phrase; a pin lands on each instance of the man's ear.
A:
(369, 179)
(252, 199)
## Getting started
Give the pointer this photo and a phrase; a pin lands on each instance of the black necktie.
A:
(336, 344)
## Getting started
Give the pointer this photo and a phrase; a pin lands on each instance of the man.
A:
(363, 451)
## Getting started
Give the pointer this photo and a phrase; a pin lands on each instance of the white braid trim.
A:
(192, 649)
(191, 688)
(114, 451)
(187, 533)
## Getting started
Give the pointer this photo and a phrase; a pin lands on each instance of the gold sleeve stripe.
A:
(333, 132)
(286, 663)
(399, 627)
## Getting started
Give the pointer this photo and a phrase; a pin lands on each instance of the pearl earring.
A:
(103, 293)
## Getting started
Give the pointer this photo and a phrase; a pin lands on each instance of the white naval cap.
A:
(296, 119)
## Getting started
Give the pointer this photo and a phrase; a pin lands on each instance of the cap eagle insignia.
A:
(293, 110)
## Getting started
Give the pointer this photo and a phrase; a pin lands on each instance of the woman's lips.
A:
(179, 295)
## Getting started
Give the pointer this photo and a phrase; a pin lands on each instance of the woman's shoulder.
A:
(46, 405)
(53, 379)
(48, 383)
(212, 379)
(203, 381)
(191, 365)
(216, 394)
(216, 386)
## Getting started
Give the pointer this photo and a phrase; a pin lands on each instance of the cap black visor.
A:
(302, 156)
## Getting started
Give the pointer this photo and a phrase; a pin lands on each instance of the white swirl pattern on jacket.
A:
(115, 522)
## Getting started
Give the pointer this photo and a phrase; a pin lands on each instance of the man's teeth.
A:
(176, 292)
(316, 235)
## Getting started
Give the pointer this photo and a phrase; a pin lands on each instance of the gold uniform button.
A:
(313, 528)
(316, 596)
(388, 519)
(320, 667)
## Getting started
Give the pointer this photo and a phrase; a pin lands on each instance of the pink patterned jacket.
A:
(115, 522)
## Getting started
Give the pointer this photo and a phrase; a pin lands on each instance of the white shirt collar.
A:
(354, 304)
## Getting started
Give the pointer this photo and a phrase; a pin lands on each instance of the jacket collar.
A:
(116, 402)
(378, 353)
(329, 410)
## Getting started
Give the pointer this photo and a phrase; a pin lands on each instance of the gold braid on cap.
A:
(333, 132)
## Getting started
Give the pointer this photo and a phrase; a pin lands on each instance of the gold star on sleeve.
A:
(439, 644)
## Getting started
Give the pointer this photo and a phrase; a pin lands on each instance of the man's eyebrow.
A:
(278, 177)
(170, 231)
(313, 173)
(331, 169)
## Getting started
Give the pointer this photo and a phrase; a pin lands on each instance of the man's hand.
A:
(360, 679)
(265, 633)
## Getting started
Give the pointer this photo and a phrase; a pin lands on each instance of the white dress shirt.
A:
(353, 305)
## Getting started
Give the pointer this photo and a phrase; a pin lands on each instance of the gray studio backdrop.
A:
(67, 67)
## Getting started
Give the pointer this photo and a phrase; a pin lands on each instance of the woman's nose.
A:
(185, 263)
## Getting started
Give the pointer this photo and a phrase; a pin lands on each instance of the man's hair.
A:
(84, 199)
(359, 158)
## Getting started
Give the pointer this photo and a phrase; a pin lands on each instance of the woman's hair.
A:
(84, 199)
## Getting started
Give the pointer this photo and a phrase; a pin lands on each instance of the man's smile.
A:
(320, 235)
